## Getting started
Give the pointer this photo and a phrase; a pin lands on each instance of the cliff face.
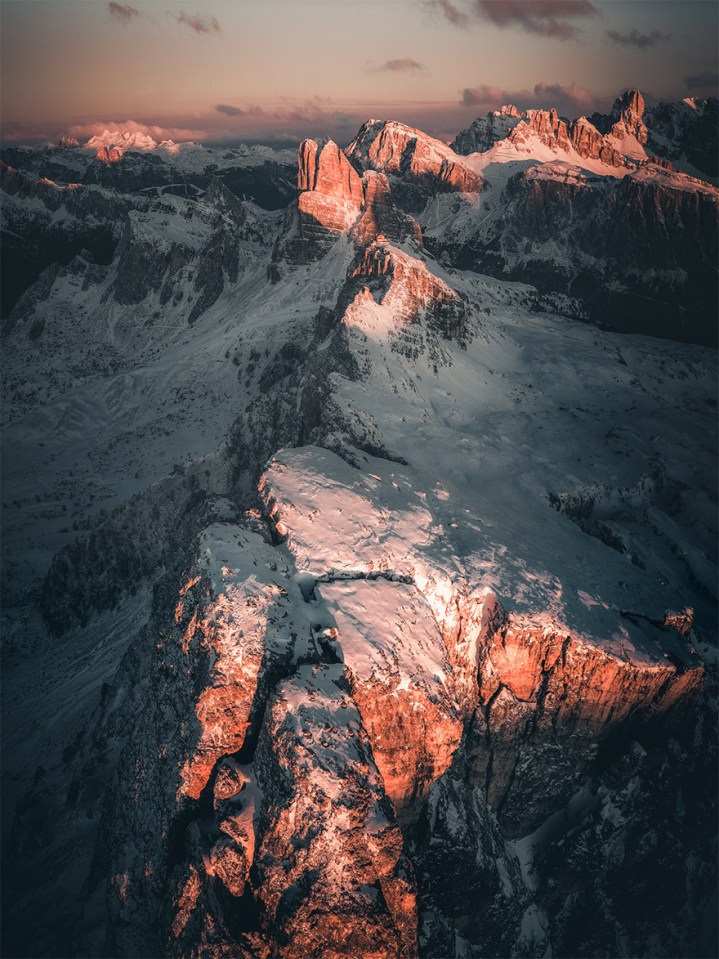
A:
(395, 149)
(637, 252)
(546, 127)
(333, 200)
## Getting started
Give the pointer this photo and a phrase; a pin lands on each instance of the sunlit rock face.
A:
(333, 200)
(330, 191)
(548, 128)
(109, 154)
(395, 149)
(559, 695)
(405, 290)
(401, 680)
(330, 865)
(532, 127)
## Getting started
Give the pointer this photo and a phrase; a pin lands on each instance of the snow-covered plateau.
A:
(359, 543)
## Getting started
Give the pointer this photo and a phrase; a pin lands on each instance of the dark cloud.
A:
(484, 96)
(197, 23)
(403, 65)
(228, 110)
(571, 99)
(703, 80)
(448, 10)
(636, 39)
(547, 18)
(123, 11)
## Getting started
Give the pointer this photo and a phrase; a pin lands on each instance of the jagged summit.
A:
(396, 149)
(683, 133)
(631, 102)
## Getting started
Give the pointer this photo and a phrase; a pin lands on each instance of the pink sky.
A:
(283, 69)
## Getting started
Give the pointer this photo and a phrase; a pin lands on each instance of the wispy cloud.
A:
(485, 95)
(229, 111)
(449, 11)
(547, 18)
(642, 41)
(402, 65)
(123, 11)
(197, 23)
(707, 79)
(567, 99)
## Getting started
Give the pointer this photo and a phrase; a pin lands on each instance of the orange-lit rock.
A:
(109, 154)
(401, 682)
(330, 191)
(331, 874)
(408, 290)
(564, 135)
(547, 692)
(393, 148)
(230, 623)
(381, 217)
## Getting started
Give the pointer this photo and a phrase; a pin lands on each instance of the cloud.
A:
(228, 110)
(197, 23)
(547, 18)
(556, 93)
(484, 95)
(636, 39)
(403, 65)
(571, 99)
(451, 13)
(128, 128)
(703, 80)
(123, 11)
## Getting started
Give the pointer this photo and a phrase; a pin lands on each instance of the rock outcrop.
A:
(683, 132)
(561, 696)
(334, 200)
(405, 289)
(330, 191)
(395, 149)
(486, 131)
(639, 252)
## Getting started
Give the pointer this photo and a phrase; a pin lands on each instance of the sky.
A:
(279, 70)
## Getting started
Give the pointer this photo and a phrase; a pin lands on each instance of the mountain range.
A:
(360, 542)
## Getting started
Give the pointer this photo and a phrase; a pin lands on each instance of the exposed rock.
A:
(485, 131)
(330, 191)
(404, 692)
(640, 251)
(562, 695)
(381, 217)
(395, 149)
(683, 132)
(331, 872)
(109, 154)
(406, 289)
(565, 135)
